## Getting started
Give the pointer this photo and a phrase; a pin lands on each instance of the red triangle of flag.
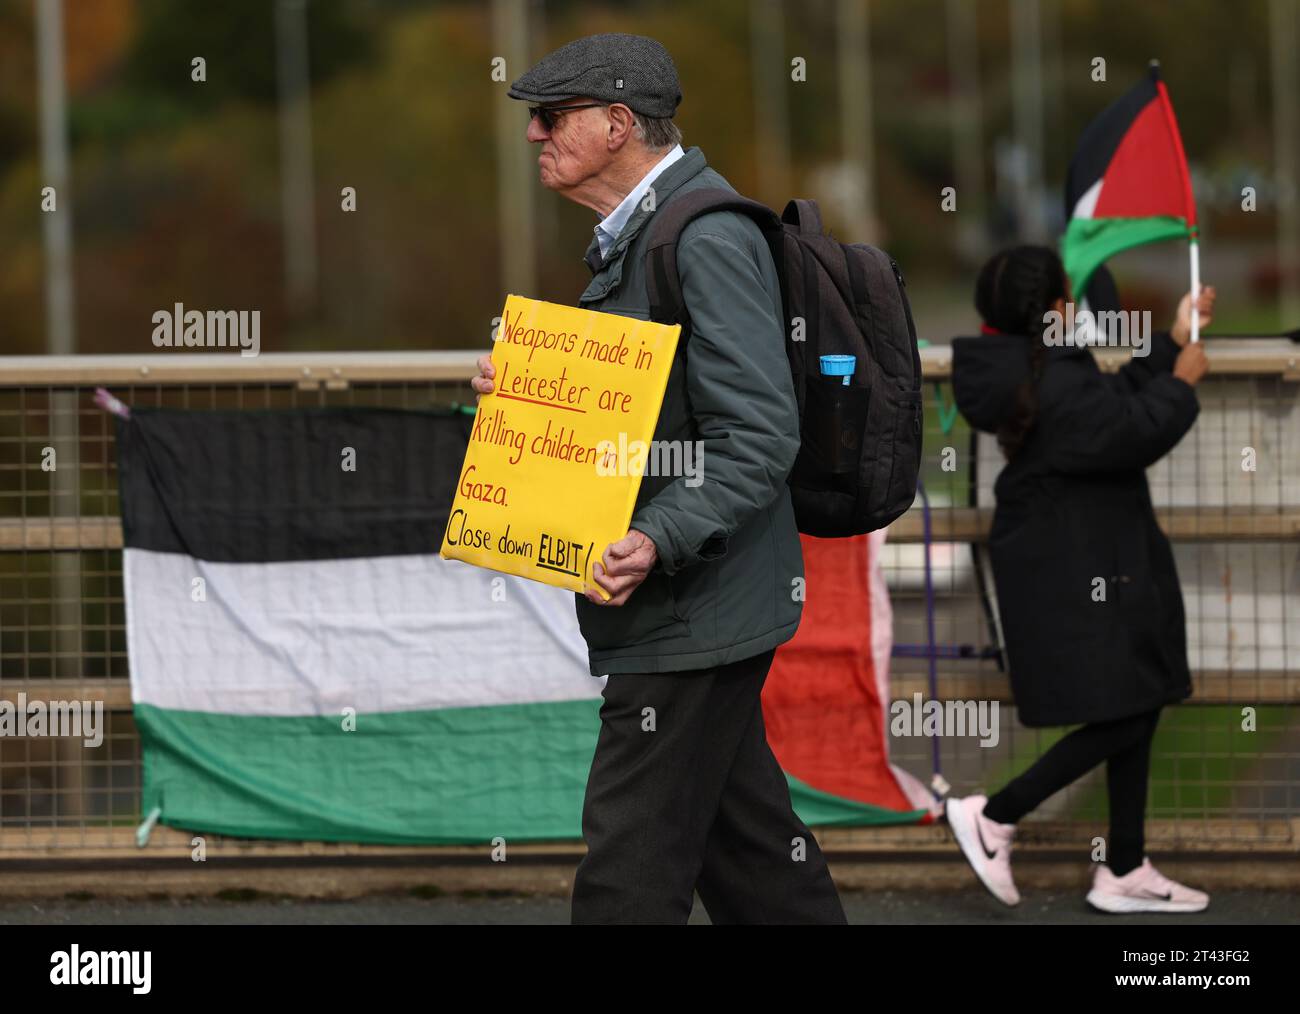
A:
(1148, 174)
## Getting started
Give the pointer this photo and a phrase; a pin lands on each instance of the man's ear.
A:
(619, 126)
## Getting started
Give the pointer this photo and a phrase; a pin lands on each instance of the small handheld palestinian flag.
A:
(1128, 185)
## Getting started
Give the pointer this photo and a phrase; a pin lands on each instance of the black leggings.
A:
(1125, 746)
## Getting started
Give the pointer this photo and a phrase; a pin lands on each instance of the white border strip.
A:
(377, 634)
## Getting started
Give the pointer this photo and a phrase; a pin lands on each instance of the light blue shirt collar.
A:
(611, 225)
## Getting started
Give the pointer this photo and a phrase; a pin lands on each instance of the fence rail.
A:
(1236, 536)
(1228, 357)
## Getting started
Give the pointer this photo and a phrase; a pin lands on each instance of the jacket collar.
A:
(690, 165)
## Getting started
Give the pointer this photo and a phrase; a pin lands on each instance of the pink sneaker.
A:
(986, 845)
(1142, 890)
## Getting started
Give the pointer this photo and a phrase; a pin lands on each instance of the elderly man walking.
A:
(684, 793)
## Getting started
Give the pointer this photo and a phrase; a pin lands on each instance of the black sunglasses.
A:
(547, 113)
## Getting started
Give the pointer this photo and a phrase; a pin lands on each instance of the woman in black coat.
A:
(1091, 610)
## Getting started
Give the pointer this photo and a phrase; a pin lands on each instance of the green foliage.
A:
(176, 184)
(238, 40)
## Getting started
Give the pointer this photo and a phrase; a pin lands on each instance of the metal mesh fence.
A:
(62, 609)
(1237, 545)
(1227, 496)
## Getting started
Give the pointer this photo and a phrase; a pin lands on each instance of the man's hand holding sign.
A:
(624, 565)
(567, 400)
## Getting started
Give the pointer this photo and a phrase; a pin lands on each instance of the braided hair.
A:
(1015, 290)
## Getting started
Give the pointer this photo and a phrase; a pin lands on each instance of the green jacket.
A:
(728, 584)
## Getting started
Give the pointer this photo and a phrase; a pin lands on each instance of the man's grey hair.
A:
(657, 134)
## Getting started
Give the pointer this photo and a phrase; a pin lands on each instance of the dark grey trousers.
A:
(685, 795)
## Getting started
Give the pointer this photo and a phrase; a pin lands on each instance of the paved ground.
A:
(970, 907)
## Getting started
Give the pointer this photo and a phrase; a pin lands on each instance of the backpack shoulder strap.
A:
(663, 284)
(804, 215)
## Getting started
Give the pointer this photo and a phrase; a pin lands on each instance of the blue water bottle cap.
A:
(839, 366)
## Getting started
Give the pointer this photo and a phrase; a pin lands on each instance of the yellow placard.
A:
(551, 472)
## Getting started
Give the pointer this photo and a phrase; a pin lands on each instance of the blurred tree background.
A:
(176, 184)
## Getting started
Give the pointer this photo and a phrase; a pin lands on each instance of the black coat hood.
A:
(986, 371)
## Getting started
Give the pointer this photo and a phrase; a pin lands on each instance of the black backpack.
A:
(860, 444)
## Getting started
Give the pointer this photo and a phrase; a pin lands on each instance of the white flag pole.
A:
(1195, 250)
(1193, 245)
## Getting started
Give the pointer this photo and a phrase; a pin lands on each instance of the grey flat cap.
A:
(630, 69)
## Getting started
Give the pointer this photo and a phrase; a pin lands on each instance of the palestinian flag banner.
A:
(826, 700)
(304, 665)
(1128, 182)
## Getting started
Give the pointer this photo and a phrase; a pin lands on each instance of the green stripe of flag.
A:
(1090, 242)
(447, 776)
(439, 777)
(820, 809)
